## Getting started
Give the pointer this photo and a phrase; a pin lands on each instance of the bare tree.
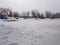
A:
(5, 11)
(35, 14)
(27, 13)
(16, 15)
(41, 16)
(48, 14)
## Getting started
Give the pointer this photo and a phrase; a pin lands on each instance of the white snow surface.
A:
(30, 32)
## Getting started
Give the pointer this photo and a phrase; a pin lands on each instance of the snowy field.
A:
(30, 32)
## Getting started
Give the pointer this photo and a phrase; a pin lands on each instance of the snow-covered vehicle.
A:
(9, 19)
(3, 17)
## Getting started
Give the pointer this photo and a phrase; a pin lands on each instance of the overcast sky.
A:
(42, 5)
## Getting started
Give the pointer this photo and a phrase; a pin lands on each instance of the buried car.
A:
(3, 17)
(10, 19)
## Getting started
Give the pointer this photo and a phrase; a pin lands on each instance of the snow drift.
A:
(30, 32)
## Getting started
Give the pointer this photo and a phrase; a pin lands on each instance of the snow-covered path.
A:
(30, 32)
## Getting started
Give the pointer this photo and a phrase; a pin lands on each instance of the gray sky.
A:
(42, 5)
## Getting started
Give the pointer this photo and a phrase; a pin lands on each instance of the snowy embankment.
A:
(30, 32)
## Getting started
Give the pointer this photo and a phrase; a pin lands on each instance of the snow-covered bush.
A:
(56, 15)
(48, 14)
(16, 14)
(52, 15)
(41, 16)
(35, 14)
(25, 15)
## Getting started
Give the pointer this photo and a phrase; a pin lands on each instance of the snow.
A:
(30, 32)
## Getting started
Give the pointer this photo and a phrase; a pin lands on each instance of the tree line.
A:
(33, 14)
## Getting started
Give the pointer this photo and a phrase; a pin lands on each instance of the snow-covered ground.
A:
(30, 32)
